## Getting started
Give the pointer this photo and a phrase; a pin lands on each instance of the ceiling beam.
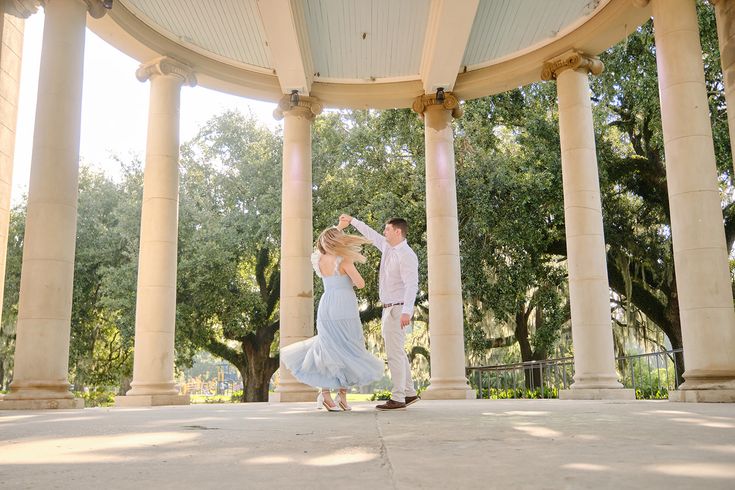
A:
(447, 32)
(279, 22)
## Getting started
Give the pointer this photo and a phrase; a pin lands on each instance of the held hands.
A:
(405, 320)
(344, 221)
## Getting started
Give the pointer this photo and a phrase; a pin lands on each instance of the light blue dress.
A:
(336, 357)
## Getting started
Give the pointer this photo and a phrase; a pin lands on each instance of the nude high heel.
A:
(341, 400)
(322, 403)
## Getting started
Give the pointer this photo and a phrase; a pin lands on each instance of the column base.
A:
(42, 404)
(151, 400)
(292, 396)
(696, 396)
(448, 394)
(597, 394)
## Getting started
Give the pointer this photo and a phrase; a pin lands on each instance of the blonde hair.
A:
(334, 241)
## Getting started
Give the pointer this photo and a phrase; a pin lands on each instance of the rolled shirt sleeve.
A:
(372, 235)
(409, 266)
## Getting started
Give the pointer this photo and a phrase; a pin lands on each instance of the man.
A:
(398, 285)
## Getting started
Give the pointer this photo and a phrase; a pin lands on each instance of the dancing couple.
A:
(336, 357)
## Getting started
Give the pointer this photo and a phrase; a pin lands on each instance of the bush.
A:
(96, 398)
(652, 393)
(381, 395)
(237, 396)
(386, 394)
(512, 393)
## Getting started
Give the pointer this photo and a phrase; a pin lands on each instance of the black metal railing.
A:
(652, 375)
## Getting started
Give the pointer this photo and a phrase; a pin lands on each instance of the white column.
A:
(11, 47)
(700, 251)
(589, 293)
(725, 14)
(297, 236)
(155, 312)
(44, 309)
(446, 324)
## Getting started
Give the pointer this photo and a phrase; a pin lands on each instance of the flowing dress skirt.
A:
(336, 357)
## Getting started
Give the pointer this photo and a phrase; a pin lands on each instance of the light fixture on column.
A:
(294, 98)
(440, 94)
(107, 4)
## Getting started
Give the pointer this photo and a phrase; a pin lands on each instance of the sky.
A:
(114, 107)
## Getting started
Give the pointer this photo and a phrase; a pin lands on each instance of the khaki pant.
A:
(395, 339)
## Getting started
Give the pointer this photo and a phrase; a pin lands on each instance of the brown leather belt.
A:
(391, 304)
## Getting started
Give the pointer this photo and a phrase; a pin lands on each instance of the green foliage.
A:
(96, 398)
(510, 219)
(229, 240)
(381, 395)
(651, 393)
(16, 230)
(648, 374)
(511, 393)
(386, 394)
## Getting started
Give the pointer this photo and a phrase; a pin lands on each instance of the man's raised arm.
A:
(378, 240)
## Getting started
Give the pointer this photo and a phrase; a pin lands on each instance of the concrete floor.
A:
(502, 444)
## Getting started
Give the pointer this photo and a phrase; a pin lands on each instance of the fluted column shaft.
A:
(700, 251)
(44, 310)
(155, 314)
(446, 324)
(297, 286)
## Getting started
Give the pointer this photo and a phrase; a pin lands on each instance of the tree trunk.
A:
(531, 374)
(260, 367)
(124, 385)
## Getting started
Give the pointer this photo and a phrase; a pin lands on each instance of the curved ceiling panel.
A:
(229, 29)
(503, 27)
(366, 39)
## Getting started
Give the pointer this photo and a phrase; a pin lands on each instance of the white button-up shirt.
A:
(399, 269)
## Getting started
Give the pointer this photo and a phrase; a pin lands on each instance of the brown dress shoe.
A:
(410, 400)
(392, 405)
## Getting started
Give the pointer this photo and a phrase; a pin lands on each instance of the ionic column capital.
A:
(450, 103)
(25, 8)
(166, 66)
(21, 8)
(575, 60)
(299, 105)
(96, 8)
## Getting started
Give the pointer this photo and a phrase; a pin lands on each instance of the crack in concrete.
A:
(385, 460)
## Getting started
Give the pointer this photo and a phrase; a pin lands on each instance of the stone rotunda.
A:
(309, 54)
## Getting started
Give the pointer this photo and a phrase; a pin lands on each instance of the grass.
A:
(359, 397)
(210, 398)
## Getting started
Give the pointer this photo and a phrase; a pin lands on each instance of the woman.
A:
(336, 357)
